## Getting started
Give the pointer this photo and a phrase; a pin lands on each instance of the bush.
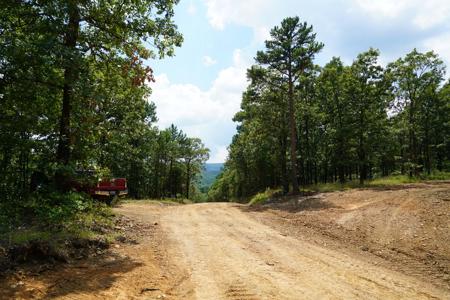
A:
(394, 179)
(53, 216)
(263, 197)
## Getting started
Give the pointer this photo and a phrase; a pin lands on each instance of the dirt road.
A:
(357, 244)
(230, 256)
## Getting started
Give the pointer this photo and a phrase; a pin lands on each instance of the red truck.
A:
(105, 190)
(109, 190)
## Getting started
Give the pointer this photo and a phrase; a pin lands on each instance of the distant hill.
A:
(209, 174)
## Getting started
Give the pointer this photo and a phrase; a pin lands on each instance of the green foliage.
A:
(355, 125)
(263, 197)
(401, 179)
(288, 56)
(331, 187)
(166, 201)
(25, 236)
(209, 175)
(382, 182)
(55, 208)
(226, 187)
(56, 218)
(74, 88)
(50, 209)
(416, 79)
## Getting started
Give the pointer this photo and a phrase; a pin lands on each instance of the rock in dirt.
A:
(149, 290)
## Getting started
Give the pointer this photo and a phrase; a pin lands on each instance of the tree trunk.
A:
(361, 150)
(412, 141)
(316, 179)
(188, 178)
(426, 147)
(362, 165)
(293, 136)
(172, 190)
(284, 177)
(70, 76)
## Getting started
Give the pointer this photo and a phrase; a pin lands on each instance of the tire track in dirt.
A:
(218, 251)
(219, 244)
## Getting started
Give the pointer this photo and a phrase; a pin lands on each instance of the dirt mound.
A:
(408, 227)
(136, 265)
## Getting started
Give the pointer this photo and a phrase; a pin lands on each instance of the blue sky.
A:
(199, 89)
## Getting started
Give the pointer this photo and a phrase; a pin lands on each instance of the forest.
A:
(338, 167)
(74, 92)
(75, 86)
(302, 124)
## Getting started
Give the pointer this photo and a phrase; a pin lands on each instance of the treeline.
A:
(74, 89)
(304, 124)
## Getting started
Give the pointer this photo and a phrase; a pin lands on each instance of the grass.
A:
(168, 201)
(377, 182)
(330, 187)
(263, 197)
(83, 226)
(24, 236)
(96, 223)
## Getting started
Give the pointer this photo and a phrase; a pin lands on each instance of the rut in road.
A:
(230, 256)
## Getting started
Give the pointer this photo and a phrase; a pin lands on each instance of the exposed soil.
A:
(408, 226)
(359, 244)
(137, 266)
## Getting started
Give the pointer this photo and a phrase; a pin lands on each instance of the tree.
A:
(348, 123)
(74, 96)
(367, 92)
(337, 123)
(309, 119)
(290, 52)
(265, 102)
(75, 31)
(416, 81)
(194, 154)
(441, 127)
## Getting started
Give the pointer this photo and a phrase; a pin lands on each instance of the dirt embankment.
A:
(408, 226)
(360, 244)
(135, 267)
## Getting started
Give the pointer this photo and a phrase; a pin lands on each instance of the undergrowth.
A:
(55, 217)
(381, 182)
(263, 197)
(168, 201)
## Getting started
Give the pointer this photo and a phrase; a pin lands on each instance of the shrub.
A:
(263, 197)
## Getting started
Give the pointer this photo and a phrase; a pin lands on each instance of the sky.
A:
(200, 88)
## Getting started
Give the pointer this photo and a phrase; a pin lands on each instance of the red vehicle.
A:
(105, 190)
(108, 190)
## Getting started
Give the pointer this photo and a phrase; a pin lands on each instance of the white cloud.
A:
(192, 9)
(257, 14)
(432, 13)
(422, 14)
(441, 45)
(380, 8)
(260, 15)
(208, 61)
(220, 154)
(206, 114)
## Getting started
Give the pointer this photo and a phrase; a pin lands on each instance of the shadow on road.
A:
(93, 276)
